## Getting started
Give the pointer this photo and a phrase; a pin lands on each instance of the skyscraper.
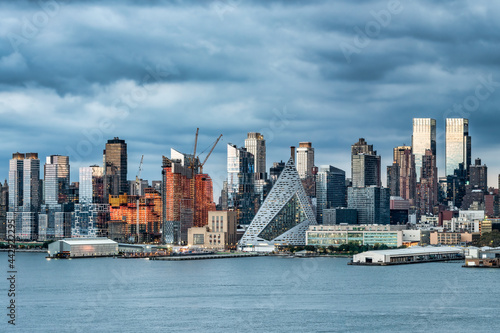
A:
(423, 138)
(330, 189)
(365, 165)
(16, 182)
(115, 167)
(24, 194)
(458, 144)
(240, 183)
(256, 145)
(31, 183)
(427, 188)
(54, 220)
(91, 213)
(305, 160)
(123, 217)
(404, 158)
(479, 176)
(393, 179)
(56, 179)
(203, 199)
(372, 204)
(177, 197)
(187, 196)
(275, 171)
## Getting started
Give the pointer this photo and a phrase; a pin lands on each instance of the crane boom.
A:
(138, 177)
(209, 153)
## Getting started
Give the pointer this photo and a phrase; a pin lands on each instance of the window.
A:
(198, 239)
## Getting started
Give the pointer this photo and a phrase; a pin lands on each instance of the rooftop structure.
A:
(85, 247)
(412, 255)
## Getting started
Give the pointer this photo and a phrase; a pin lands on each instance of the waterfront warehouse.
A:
(410, 255)
(83, 248)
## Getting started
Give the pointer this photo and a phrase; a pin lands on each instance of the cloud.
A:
(155, 71)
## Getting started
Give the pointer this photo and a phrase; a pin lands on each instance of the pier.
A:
(207, 256)
(413, 255)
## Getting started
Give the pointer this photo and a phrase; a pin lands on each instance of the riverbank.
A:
(26, 250)
(207, 256)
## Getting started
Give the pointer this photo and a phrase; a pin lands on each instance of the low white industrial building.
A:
(415, 254)
(83, 247)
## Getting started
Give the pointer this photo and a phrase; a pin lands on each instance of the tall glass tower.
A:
(56, 179)
(115, 166)
(458, 144)
(240, 182)
(91, 214)
(330, 189)
(305, 160)
(25, 194)
(365, 165)
(256, 145)
(423, 138)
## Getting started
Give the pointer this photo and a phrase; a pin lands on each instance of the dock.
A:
(413, 255)
(207, 256)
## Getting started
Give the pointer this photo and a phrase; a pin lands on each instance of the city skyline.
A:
(214, 143)
(491, 181)
(302, 88)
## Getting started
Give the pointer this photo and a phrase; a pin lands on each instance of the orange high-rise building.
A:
(123, 208)
(187, 196)
(203, 199)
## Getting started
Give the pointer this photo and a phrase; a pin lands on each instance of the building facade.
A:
(24, 194)
(305, 160)
(284, 216)
(423, 139)
(330, 189)
(115, 167)
(91, 214)
(275, 171)
(478, 176)
(256, 145)
(4, 207)
(177, 197)
(219, 233)
(427, 188)
(124, 209)
(372, 204)
(337, 235)
(54, 220)
(365, 165)
(458, 144)
(240, 183)
(405, 160)
(340, 215)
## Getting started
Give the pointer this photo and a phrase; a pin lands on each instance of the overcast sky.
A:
(74, 74)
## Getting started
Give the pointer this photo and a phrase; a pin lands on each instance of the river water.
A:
(258, 294)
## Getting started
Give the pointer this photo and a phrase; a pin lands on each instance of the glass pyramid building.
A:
(285, 215)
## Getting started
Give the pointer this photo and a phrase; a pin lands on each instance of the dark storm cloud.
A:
(157, 70)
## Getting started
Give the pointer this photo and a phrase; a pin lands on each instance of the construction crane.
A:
(138, 189)
(208, 155)
(194, 154)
